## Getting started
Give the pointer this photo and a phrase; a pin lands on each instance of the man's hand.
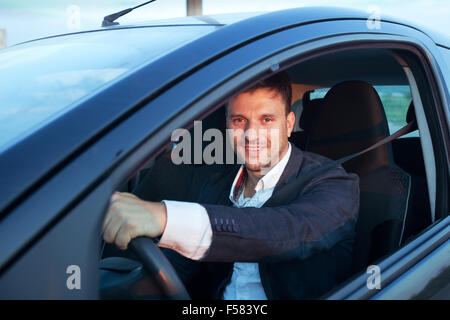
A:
(129, 217)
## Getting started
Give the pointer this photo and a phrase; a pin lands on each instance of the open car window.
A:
(405, 161)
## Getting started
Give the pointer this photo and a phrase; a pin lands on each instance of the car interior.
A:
(344, 102)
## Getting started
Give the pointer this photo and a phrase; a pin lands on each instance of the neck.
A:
(252, 179)
(254, 176)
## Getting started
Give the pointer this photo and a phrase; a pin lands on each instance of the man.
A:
(237, 242)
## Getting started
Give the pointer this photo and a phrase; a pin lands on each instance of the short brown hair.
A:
(279, 82)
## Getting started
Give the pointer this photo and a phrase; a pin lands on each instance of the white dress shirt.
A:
(188, 231)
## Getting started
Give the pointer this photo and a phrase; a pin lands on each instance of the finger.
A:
(124, 199)
(112, 228)
(114, 203)
(123, 237)
(128, 195)
(107, 218)
(114, 215)
(116, 195)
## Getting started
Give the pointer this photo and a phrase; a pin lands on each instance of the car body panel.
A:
(416, 284)
(44, 270)
(397, 270)
(135, 115)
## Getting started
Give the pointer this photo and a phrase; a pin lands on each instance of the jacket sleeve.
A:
(323, 214)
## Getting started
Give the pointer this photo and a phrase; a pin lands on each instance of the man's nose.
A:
(252, 132)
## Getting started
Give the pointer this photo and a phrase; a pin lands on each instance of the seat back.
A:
(351, 119)
(306, 119)
(408, 155)
(169, 181)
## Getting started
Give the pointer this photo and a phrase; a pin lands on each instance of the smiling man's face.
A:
(261, 128)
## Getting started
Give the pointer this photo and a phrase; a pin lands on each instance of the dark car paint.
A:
(397, 270)
(92, 162)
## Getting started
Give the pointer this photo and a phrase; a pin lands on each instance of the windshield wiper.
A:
(109, 20)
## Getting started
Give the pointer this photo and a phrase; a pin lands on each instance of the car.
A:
(88, 113)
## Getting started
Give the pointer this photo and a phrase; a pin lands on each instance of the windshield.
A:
(42, 79)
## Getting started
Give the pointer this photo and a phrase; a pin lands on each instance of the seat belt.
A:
(289, 191)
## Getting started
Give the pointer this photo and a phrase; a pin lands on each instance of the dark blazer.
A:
(303, 247)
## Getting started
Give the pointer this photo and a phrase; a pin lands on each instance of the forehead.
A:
(260, 93)
(261, 99)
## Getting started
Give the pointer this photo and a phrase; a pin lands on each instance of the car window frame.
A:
(124, 158)
(350, 45)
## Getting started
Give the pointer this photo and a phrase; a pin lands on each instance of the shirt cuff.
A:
(188, 230)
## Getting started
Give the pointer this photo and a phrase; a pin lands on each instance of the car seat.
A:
(351, 119)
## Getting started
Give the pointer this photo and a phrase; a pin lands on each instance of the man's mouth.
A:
(254, 150)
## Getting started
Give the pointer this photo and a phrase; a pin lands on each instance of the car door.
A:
(84, 184)
(421, 268)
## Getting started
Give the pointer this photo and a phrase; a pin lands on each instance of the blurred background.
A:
(22, 20)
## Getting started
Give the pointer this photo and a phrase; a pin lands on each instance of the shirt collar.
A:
(269, 180)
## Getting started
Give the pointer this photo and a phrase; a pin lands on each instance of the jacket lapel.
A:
(217, 191)
(292, 167)
(281, 193)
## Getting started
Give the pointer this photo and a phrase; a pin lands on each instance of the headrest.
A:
(351, 119)
(310, 108)
(215, 120)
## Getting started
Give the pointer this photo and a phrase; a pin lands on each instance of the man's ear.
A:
(290, 123)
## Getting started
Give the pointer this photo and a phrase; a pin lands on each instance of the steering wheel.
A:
(158, 267)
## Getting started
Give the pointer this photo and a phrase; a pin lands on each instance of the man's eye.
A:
(267, 120)
(238, 121)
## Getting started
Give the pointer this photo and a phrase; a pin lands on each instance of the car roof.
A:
(302, 15)
(309, 16)
(218, 21)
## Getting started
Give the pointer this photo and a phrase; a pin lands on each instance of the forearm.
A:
(188, 230)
